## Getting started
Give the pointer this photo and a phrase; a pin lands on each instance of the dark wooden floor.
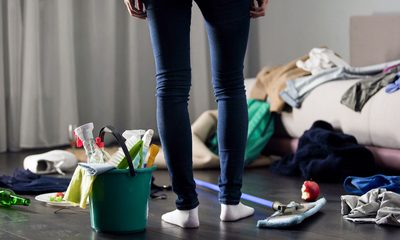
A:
(38, 221)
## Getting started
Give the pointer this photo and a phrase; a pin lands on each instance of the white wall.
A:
(292, 27)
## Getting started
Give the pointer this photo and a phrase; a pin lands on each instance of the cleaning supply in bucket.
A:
(79, 188)
(152, 156)
(106, 155)
(121, 195)
(96, 168)
(85, 135)
(135, 146)
(146, 144)
(129, 133)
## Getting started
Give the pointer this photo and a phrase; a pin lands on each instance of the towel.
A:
(96, 168)
(80, 187)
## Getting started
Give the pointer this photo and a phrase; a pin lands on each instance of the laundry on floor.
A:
(326, 156)
(376, 206)
(25, 182)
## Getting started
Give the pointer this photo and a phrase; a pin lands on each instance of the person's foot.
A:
(235, 212)
(183, 218)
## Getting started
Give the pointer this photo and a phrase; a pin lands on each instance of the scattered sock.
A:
(235, 212)
(183, 218)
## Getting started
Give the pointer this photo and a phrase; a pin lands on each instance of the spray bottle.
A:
(146, 145)
(106, 155)
(93, 152)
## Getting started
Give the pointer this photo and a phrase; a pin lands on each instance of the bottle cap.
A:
(85, 131)
(99, 143)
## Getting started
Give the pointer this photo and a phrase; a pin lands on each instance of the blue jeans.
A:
(227, 23)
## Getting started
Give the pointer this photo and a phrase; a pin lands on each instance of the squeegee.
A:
(285, 215)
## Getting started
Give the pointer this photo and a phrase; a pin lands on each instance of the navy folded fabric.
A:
(361, 185)
(25, 182)
(326, 156)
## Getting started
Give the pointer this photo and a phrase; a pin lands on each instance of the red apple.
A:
(310, 191)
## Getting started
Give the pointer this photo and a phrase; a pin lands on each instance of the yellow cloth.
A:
(79, 188)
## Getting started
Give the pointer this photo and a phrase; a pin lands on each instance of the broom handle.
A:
(245, 196)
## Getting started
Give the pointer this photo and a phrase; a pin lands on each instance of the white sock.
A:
(235, 212)
(183, 218)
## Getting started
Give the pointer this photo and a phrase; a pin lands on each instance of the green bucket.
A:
(119, 200)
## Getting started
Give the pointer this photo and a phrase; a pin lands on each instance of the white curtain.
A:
(71, 62)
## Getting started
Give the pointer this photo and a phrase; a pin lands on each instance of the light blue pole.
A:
(244, 195)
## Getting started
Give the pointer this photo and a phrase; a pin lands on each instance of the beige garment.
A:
(203, 158)
(271, 80)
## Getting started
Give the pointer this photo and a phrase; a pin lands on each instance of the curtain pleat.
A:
(12, 42)
(71, 62)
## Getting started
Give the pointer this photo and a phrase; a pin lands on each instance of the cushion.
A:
(375, 125)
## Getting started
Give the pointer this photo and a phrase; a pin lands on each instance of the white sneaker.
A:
(50, 162)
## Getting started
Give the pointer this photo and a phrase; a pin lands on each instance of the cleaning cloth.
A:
(25, 182)
(80, 187)
(361, 185)
(291, 218)
(376, 206)
(96, 168)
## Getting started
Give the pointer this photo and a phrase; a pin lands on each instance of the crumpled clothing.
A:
(271, 80)
(361, 185)
(297, 89)
(96, 168)
(376, 206)
(357, 95)
(326, 156)
(321, 59)
(393, 87)
(25, 182)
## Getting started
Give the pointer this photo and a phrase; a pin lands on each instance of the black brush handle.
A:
(121, 143)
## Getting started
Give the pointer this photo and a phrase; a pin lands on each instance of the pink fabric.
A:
(391, 67)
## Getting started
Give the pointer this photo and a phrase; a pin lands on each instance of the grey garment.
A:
(297, 89)
(376, 206)
(358, 94)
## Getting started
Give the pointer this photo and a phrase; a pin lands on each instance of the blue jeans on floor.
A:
(227, 23)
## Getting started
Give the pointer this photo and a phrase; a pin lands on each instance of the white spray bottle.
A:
(146, 145)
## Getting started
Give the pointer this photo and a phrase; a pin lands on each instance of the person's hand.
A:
(259, 11)
(136, 12)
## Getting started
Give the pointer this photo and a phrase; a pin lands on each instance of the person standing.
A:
(227, 24)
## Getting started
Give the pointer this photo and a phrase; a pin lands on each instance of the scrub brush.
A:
(134, 145)
(153, 153)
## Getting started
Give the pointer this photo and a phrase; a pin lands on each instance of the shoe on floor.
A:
(50, 162)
